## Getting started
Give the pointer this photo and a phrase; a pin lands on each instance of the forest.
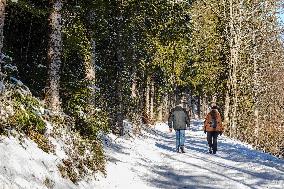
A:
(88, 65)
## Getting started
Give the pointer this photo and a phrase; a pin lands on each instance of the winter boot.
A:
(182, 149)
(214, 150)
(210, 150)
(177, 150)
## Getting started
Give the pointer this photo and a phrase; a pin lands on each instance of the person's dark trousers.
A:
(212, 140)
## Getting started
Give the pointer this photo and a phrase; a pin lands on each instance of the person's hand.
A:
(171, 130)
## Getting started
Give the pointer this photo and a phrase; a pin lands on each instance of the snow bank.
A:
(24, 165)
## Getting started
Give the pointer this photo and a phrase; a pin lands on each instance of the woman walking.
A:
(213, 127)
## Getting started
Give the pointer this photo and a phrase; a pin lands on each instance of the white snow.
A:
(18, 82)
(2, 86)
(24, 165)
(151, 162)
(10, 67)
(146, 162)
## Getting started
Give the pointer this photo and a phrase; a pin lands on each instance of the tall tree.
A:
(54, 56)
(209, 48)
(2, 19)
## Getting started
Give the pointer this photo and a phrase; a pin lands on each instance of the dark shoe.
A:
(214, 152)
(182, 149)
(177, 150)
(210, 150)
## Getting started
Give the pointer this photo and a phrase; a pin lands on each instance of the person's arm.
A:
(205, 123)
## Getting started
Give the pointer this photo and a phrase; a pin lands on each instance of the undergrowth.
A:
(85, 155)
(76, 133)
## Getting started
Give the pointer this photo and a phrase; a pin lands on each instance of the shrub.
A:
(89, 120)
(23, 113)
(27, 115)
(85, 155)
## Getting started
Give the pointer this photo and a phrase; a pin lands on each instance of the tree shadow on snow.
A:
(196, 125)
(240, 153)
(116, 148)
(165, 147)
(240, 156)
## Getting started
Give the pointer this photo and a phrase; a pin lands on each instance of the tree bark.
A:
(227, 110)
(204, 105)
(166, 107)
(54, 57)
(147, 97)
(134, 87)
(90, 58)
(90, 63)
(234, 49)
(152, 97)
(2, 20)
(255, 87)
(120, 116)
(198, 106)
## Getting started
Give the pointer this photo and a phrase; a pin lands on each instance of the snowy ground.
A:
(152, 162)
(147, 162)
(25, 166)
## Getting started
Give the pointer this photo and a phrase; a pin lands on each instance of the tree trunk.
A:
(234, 44)
(152, 96)
(166, 107)
(90, 63)
(90, 73)
(134, 87)
(255, 86)
(204, 106)
(120, 66)
(147, 97)
(120, 116)
(198, 106)
(190, 105)
(90, 58)
(2, 20)
(227, 110)
(160, 112)
(54, 57)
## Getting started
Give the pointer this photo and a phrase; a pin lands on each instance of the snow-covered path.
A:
(151, 162)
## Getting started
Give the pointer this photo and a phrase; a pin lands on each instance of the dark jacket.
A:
(178, 118)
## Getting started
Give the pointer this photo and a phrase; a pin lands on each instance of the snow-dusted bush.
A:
(22, 112)
(80, 129)
(84, 156)
(26, 113)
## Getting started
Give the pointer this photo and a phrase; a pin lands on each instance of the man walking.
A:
(179, 120)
